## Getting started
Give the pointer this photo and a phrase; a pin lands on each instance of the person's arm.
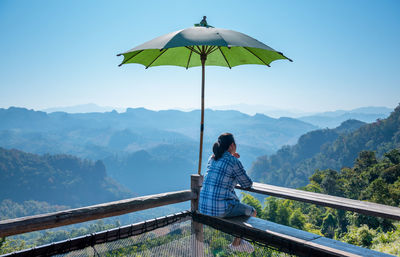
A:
(240, 173)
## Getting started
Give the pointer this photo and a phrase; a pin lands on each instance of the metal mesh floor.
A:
(173, 240)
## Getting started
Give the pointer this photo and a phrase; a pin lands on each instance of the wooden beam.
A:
(284, 238)
(367, 208)
(107, 236)
(56, 219)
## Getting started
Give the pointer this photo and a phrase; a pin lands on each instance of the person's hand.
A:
(236, 155)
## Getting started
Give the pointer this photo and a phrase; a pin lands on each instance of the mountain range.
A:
(329, 119)
(321, 149)
(141, 143)
(335, 118)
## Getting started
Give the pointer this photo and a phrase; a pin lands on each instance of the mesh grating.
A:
(173, 240)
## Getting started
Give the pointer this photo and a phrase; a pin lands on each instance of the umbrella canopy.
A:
(200, 46)
(222, 47)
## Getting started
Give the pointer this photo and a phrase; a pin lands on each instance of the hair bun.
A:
(222, 145)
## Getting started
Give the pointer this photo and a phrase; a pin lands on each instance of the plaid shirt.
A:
(219, 183)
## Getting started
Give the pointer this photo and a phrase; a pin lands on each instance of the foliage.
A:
(329, 223)
(297, 219)
(12, 245)
(252, 201)
(56, 179)
(370, 179)
(388, 242)
(10, 209)
(16, 243)
(361, 236)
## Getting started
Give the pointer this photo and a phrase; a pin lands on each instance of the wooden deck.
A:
(285, 238)
(367, 208)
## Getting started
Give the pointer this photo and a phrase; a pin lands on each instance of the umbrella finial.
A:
(203, 23)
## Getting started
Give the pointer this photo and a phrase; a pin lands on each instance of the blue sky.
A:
(60, 53)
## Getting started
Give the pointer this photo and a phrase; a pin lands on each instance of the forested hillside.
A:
(322, 149)
(56, 179)
(370, 179)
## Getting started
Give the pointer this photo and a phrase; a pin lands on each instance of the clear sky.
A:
(63, 52)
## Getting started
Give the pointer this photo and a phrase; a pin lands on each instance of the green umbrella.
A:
(199, 46)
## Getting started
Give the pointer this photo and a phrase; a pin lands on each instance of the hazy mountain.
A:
(327, 149)
(330, 119)
(333, 119)
(140, 144)
(83, 108)
(252, 109)
(138, 129)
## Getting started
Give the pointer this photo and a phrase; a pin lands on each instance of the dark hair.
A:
(222, 145)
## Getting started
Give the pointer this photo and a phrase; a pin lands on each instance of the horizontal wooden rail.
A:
(107, 236)
(73, 216)
(368, 208)
(283, 238)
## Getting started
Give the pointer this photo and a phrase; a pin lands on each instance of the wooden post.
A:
(196, 182)
(203, 58)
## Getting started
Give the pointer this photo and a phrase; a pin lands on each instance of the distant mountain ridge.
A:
(327, 149)
(333, 119)
(180, 126)
(358, 113)
(249, 109)
(83, 108)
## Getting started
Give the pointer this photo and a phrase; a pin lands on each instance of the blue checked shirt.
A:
(219, 183)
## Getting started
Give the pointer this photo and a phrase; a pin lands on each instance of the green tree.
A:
(252, 201)
(11, 245)
(328, 225)
(270, 209)
(361, 236)
(297, 219)
(328, 183)
(393, 156)
(365, 160)
(378, 192)
(283, 212)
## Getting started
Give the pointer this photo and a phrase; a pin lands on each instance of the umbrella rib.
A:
(129, 58)
(210, 50)
(190, 55)
(213, 50)
(156, 58)
(285, 56)
(191, 48)
(198, 49)
(226, 60)
(257, 57)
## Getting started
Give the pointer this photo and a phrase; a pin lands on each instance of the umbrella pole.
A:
(203, 58)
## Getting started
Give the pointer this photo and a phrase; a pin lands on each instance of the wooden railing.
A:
(61, 218)
(368, 208)
(73, 216)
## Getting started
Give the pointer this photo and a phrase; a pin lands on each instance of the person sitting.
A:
(217, 195)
